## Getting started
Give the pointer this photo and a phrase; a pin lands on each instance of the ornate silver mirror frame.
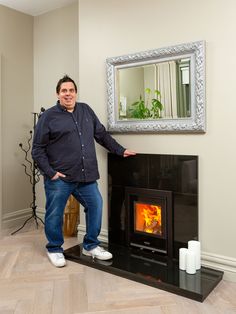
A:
(194, 122)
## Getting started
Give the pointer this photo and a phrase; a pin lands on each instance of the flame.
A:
(148, 218)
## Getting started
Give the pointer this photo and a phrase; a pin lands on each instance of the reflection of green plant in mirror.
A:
(144, 110)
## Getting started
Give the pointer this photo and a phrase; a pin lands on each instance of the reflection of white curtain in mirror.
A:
(166, 84)
(123, 106)
(149, 80)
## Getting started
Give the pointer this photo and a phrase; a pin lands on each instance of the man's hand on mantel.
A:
(128, 153)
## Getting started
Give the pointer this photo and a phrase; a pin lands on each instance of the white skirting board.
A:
(103, 237)
(220, 262)
(17, 218)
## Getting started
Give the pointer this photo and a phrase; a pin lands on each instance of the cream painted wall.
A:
(55, 54)
(1, 214)
(110, 28)
(16, 48)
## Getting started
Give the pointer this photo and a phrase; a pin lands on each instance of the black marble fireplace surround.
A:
(175, 180)
(177, 174)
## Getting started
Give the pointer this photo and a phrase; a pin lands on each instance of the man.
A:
(64, 150)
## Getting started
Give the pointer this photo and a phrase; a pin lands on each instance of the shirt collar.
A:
(62, 108)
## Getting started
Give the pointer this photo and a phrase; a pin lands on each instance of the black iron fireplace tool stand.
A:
(32, 171)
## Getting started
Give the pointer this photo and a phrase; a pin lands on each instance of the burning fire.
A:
(148, 218)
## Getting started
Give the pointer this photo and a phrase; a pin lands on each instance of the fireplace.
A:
(168, 181)
(152, 212)
(149, 220)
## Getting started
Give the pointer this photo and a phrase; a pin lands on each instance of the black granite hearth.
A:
(152, 270)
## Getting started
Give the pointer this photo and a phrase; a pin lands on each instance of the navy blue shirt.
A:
(64, 141)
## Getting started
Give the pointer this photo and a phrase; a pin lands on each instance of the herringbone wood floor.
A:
(30, 284)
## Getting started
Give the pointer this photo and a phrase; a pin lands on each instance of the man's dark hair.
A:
(65, 79)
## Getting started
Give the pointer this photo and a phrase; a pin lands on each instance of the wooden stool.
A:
(71, 217)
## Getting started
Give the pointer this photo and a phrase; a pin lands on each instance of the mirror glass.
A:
(160, 90)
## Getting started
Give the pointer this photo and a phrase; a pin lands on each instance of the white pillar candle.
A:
(195, 247)
(190, 262)
(182, 258)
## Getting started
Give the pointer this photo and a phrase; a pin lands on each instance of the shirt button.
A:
(83, 157)
(76, 122)
(83, 169)
(82, 145)
(79, 133)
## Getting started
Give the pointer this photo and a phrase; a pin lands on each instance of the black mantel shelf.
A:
(155, 271)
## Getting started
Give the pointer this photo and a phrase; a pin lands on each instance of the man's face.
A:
(67, 95)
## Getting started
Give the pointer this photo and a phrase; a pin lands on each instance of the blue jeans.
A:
(57, 193)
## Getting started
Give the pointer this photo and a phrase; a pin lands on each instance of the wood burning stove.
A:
(169, 181)
(149, 219)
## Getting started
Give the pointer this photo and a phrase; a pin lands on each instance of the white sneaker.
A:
(57, 259)
(99, 253)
